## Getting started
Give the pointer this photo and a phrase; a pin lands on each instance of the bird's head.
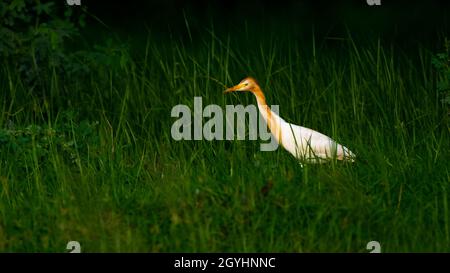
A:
(247, 84)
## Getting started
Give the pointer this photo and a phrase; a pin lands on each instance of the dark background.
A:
(412, 20)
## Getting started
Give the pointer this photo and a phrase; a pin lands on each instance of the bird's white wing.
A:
(310, 145)
(304, 143)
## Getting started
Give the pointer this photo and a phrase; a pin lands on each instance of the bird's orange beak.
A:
(234, 88)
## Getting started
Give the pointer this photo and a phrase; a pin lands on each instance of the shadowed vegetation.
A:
(86, 154)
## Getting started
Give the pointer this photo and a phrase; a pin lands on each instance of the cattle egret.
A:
(303, 143)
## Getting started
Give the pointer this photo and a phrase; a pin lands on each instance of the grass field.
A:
(91, 159)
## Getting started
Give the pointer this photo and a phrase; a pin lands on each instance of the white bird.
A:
(303, 143)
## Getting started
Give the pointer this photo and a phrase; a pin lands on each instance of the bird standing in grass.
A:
(305, 144)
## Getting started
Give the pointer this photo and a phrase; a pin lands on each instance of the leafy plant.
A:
(442, 64)
(33, 36)
(70, 136)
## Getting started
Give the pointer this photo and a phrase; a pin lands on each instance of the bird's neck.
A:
(260, 98)
(271, 118)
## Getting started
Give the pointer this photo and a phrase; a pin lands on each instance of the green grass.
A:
(91, 159)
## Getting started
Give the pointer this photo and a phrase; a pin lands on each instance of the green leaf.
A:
(17, 5)
(45, 8)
